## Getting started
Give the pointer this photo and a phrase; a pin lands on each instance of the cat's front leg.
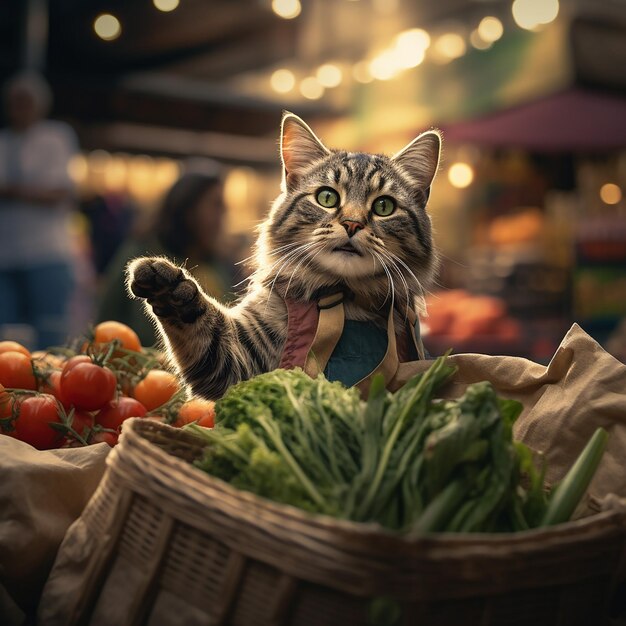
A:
(198, 330)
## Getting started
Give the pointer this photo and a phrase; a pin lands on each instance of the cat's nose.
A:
(352, 226)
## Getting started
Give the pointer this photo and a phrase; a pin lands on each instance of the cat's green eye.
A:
(328, 197)
(384, 206)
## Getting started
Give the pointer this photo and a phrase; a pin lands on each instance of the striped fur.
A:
(296, 255)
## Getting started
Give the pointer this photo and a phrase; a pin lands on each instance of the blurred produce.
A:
(82, 393)
(457, 318)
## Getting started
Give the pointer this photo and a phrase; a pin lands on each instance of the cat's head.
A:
(349, 218)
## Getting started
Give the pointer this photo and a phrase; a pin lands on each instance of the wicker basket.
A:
(162, 543)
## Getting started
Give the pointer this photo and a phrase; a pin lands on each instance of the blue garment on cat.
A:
(360, 349)
(358, 352)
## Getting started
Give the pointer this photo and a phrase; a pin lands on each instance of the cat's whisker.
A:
(320, 244)
(259, 273)
(289, 257)
(390, 285)
(395, 267)
(282, 257)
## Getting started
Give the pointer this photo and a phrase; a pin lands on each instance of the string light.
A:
(311, 88)
(530, 14)
(283, 81)
(460, 175)
(478, 42)
(329, 75)
(610, 193)
(490, 29)
(287, 9)
(410, 47)
(384, 66)
(450, 46)
(107, 27)
(166, 5)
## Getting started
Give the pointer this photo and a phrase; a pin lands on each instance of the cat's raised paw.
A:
(166, 287)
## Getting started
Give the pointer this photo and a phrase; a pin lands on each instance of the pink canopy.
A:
(573, 120)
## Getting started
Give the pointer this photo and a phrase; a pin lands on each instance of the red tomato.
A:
(113, 414)
(13, 346)
(52, 385)
(16, 370)
(82, 422)
(156, 388)
(33, 422)
(106, 332)
(110, 438)
(86, 385)
(196, 410)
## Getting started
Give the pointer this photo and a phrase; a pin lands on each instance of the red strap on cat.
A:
(302, 319)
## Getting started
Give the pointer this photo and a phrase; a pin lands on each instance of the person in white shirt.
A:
(36, 200)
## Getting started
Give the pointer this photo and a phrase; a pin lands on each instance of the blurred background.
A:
(528, 205)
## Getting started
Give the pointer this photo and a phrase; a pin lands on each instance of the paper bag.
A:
(41, 494)
(583, 387)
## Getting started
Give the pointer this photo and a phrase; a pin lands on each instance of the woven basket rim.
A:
(133, 435)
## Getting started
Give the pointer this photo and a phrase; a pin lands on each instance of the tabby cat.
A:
(344, 221)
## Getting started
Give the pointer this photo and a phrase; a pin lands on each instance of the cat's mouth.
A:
(348, 248)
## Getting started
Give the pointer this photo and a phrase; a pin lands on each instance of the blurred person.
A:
(111, 218)
(36, 251)
(188, 227)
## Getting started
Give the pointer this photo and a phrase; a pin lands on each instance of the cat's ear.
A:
(420, 158)
(299, 148)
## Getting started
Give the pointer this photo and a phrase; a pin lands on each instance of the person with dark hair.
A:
(187, 228)
(37, 265)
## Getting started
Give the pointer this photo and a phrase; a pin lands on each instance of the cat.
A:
(344, 221)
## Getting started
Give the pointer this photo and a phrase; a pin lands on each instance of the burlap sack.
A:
(583, 387)
(41, 494)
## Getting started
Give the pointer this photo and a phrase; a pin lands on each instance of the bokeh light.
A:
(115, 174)
(460, 175)
(329, 75)
(384, 66)
(166, 5)
(311, 88)
(490, 29)
(287, 9)
(283, 80)
(530, 14)
(610, 193)
(411, 46)
(107, 27)
(478, 42)
(450, 46)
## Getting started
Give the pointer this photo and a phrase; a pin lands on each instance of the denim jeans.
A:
(39, 296)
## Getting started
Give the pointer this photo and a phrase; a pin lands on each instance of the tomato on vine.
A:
(108, 331)
(13, 346)
(35, 414)
(87, 385)
(156, 388)
(106, 437)
(16, 371)
(114, 413)
(51, 383)
(197, 410)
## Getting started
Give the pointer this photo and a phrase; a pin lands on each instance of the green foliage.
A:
(407, 460)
